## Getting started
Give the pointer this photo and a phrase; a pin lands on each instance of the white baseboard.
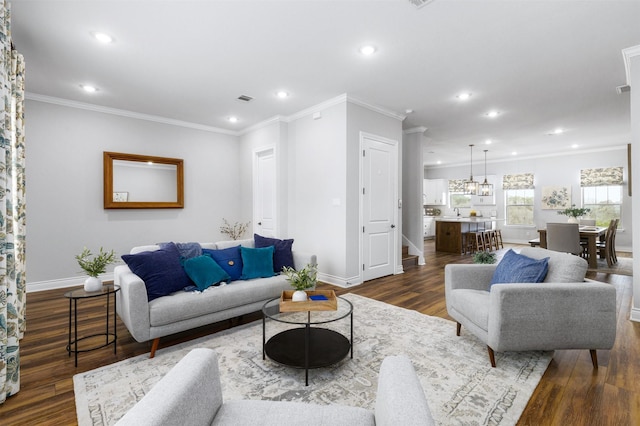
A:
(62, 283)
(339, 281)
(635, 315)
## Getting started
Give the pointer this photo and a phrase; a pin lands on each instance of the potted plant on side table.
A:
(95, 266)
(301, 280)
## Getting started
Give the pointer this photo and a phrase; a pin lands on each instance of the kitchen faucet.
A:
(457, 210)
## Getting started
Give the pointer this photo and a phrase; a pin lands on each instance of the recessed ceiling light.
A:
(464, 96)
(514, 153)
(89, 88)
(488, 142)
(408, 111)
(438, 162)
(368, 50)
(492, 114)
(575, 145)
(102, 37)
(233, 119)
(282, 94)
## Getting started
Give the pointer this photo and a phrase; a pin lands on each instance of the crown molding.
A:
(376, 108)
(265, 123)
(164, 120)
(125, 113)
(419, 129)
(530, 157)
(627, 54)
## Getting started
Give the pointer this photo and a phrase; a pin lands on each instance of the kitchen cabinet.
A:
(435, 191)
(429, 227)
(449, 237)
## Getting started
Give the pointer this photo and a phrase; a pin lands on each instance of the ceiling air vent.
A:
(245, 98)
(420, 3)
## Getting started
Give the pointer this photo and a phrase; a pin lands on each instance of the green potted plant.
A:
(301, 280)
(95, 266)
(484, 257)
(574, 213)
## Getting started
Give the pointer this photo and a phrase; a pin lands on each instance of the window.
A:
(518, 199)
(457, 197)
(602, 193)
(519, 207)
(605, 202)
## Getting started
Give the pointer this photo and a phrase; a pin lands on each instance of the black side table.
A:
(109, 338)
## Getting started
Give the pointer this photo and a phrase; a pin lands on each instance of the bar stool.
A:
(499, 239)
(491, 239)
(475, 242)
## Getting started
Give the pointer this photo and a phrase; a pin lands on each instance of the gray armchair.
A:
(563, 312)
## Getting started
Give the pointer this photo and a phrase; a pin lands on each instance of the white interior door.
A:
(264, 192)
(379, 206)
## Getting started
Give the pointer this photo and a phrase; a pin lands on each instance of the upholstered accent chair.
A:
(564, 311)
(564, 237)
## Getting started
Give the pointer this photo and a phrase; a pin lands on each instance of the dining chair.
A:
(564, 237)
(607, 247)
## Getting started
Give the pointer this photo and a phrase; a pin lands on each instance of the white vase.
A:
(299, 296)
(92, 284)
(572, 219)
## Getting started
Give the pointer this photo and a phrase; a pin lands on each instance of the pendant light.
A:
(471, 186)
(486, 189)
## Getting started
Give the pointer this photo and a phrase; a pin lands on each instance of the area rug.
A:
(624, 266)
(460, 385)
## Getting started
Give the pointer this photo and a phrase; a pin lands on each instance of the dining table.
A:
(592, 234)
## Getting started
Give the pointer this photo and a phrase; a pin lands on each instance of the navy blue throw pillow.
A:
(517, 268)
(282, 255)
(160, 270)
(229, 259)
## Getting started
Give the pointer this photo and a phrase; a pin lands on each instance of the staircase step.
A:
(409, 261)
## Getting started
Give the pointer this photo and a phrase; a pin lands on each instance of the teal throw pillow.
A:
(257, 262)
(204, 271)
(516, 268)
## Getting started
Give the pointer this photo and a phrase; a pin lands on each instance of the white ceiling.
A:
(543, 64)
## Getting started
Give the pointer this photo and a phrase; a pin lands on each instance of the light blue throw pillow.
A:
(204, 271)
(257, 262)
(516, 268)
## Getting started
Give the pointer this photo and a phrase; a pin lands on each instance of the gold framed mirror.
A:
(134, 181)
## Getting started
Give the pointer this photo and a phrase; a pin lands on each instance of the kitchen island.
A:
(450, 232)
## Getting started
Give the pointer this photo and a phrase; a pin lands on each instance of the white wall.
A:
(633, 74)
(64, 187)
(557, 170)
(317, 188)
(412, 190)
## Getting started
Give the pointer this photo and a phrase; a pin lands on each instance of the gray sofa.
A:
(563, 312)
(182, 310)
(191, 394)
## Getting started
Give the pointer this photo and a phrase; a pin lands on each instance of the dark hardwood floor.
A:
(570, 393)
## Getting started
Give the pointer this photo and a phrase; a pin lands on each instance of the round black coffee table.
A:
(309, 346)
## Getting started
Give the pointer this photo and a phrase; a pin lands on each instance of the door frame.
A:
(396, 210)
(257, 152)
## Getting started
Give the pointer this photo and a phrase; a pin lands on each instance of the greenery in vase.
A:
(303, 279)
(573, 211)
(234, 231)
(97, 265)
(484, 257)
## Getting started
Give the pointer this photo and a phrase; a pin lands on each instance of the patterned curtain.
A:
(601, 177)
(456, 185)
(519, 181)
(12, 208)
